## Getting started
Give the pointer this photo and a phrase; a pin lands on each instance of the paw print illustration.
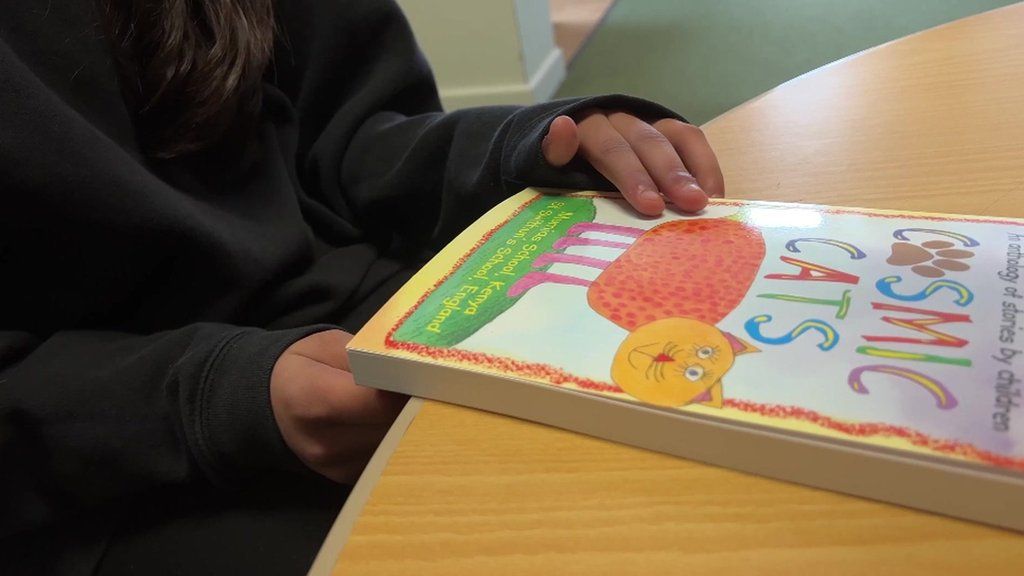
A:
(931, 259)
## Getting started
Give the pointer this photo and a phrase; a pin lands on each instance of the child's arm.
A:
(373, 145)
(89, 418)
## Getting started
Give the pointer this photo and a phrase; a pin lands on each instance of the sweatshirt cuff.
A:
(237, 434)
(523, 163)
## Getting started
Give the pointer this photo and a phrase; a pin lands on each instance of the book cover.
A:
(878, 333)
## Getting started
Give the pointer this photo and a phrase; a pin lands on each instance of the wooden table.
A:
(934, 121)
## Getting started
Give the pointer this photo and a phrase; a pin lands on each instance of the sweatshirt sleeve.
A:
(373, 143)
(87, 418)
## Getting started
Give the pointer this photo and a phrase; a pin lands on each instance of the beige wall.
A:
(488, 51)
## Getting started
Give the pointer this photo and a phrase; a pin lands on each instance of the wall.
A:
(487, 52)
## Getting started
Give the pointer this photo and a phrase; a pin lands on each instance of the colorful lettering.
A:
(964, 296)
(915, 356)
(829, 335)
(920, 325)
(813, 273)
(842, 304)
(966, 241)
(854, 252)
(944, 399)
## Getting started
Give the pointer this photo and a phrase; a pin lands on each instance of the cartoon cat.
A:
(669, 288)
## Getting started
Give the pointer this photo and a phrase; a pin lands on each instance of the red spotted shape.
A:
(677, 269)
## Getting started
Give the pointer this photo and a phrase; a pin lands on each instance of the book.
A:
(874, 353)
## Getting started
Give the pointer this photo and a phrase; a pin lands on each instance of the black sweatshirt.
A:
(143, 303)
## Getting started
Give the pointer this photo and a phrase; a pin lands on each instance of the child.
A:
(202, 198)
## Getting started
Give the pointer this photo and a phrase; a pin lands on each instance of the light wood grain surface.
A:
(933, 122)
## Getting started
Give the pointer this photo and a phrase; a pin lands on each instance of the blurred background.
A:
(699, 57)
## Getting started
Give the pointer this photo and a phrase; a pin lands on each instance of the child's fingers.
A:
(312, 392)
(612, 156)
(696, 153)
(345, 402)
(561, 143)
(346, 467)
(327, 347)
(341, 452)
(662, 162)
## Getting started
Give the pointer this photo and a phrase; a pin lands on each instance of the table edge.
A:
(327, 557)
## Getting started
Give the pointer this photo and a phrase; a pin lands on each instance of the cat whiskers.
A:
(655, 369)
(639, 350)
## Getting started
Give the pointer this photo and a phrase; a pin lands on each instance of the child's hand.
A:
(646, 162)
(332, 424)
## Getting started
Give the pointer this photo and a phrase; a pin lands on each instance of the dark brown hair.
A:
(190, 69)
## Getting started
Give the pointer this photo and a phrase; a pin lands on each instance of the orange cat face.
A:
(676, 361)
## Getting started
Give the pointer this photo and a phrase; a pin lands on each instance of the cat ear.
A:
(739, 346)
(713, 396)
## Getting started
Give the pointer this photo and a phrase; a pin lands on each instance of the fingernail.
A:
(649, 194)
(686, 178)
(695, 187)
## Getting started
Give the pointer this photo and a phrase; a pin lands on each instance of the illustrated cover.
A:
(897, 331)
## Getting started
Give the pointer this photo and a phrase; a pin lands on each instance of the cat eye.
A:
(705, 353)
(694, 373)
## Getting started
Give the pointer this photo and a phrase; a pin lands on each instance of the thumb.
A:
(562, 141)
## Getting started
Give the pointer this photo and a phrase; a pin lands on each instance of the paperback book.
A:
(869, 352)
